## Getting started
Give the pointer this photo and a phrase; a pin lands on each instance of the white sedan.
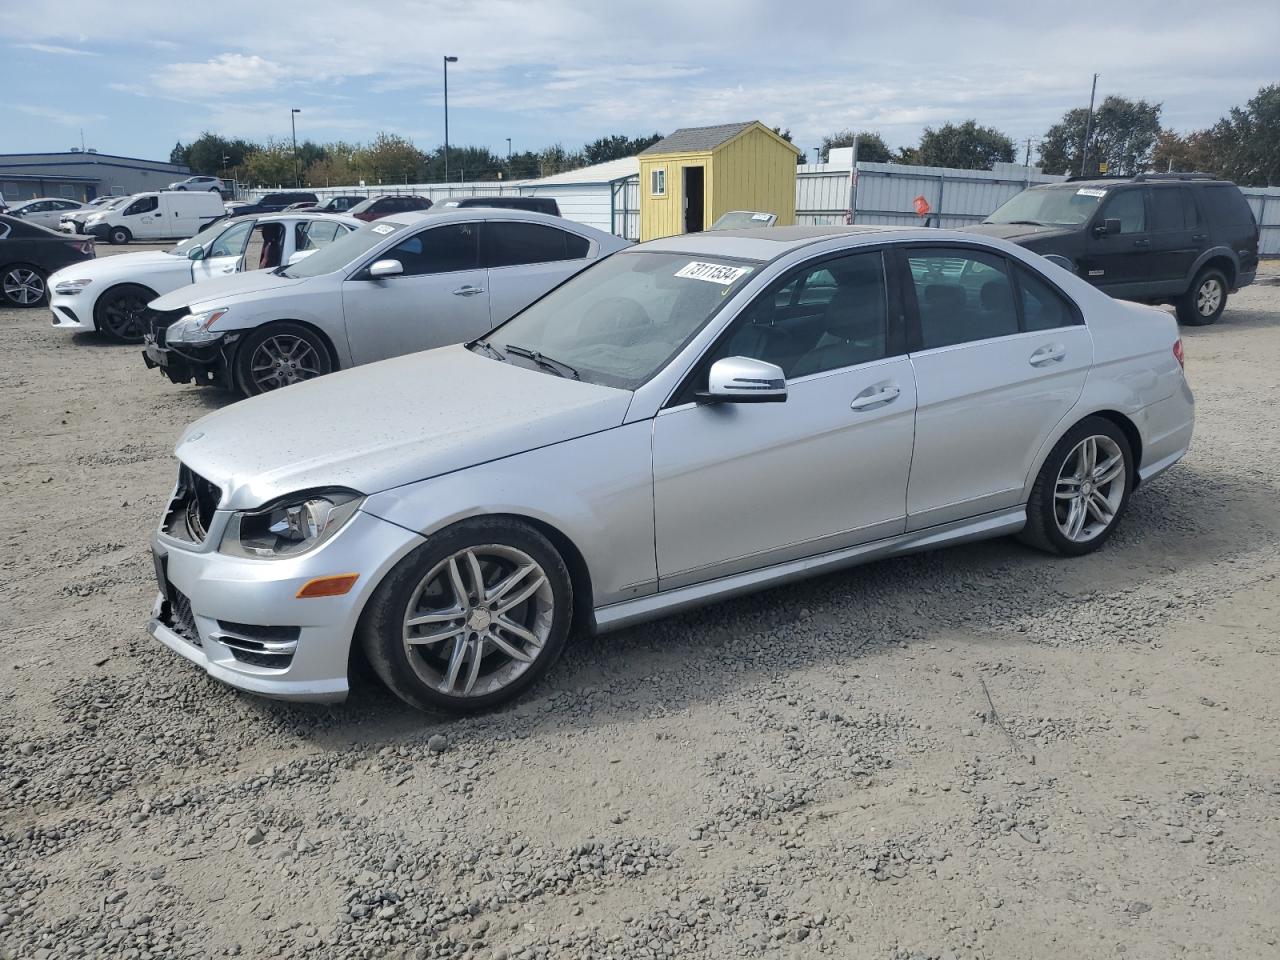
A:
(110, 294)
(45, 211)
(685, 421)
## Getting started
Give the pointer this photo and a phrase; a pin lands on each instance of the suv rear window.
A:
(1226, 206)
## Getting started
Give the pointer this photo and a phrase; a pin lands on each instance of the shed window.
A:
(658, 182)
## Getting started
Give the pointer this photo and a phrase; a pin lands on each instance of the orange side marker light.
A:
(331, 586)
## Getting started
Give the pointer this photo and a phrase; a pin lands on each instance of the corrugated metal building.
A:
(697, 174)
(82, 175)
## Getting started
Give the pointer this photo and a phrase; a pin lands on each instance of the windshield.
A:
(342, 251)
(619, 322)
(205, 236)
(1056, 206)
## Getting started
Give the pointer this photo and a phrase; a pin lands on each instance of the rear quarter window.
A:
(1226, 206)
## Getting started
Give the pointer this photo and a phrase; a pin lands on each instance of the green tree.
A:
(1123, 136)
(871, 146)
(1247, 141)
(390, 159)
(966, 146)
(616, 147)
(178, 154)
(1196, 152)
(269, 165)
(210, 154)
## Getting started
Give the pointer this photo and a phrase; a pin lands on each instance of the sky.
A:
(137, 75)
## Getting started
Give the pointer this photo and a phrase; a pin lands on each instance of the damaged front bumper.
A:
(210, 364)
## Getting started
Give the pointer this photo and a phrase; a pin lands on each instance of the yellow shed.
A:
(691, 178)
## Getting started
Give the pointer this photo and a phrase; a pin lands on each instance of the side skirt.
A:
(618, 615)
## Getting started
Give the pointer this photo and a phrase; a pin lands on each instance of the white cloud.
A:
(225, 73)
(53, 115)
(59, 50)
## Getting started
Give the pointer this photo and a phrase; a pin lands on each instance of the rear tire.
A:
(119, 235)
(1082, 490)
(459, 656)
(23, 285)
(280, 354)
(1204, 300)
(122, 312)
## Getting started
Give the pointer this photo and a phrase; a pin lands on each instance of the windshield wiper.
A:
(558, 367)
(489, 348)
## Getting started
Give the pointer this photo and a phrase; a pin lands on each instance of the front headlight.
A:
(194, 327)
(69, 288)
(292, 526)
(95, 218)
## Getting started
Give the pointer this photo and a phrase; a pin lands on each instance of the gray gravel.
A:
(811, 771)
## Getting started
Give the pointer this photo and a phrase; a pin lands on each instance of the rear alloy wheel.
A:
(1204, 302)
(122, 313)
(23, 286)
(471, 618)
(278, 355)
(1082, 490)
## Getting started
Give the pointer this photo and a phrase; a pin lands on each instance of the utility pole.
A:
(293, 123)
(1088, 126)
(1026, 165)
(447, 61)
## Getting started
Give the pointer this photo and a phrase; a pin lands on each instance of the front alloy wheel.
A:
(23, 286)
(278, 355)
(470, 618)
(123, 314)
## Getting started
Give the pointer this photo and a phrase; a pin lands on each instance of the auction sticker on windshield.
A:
(720, 273)
(1091, 192)
(384, 228)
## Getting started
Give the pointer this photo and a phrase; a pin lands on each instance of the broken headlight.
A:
(291, 526)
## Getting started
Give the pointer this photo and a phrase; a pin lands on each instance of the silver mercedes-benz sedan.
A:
(686, 420)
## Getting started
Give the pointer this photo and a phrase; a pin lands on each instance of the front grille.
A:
(68, 313)
(191, 510)
(271, 661)
(261, 646)
(177, 616)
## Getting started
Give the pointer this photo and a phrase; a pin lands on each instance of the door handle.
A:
(1199, 236)
(1051, 353)
(468, 291)
(1142, 243)
(874, 397)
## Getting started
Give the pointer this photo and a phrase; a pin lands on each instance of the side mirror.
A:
(386, 268)
(196, 253)
(1109, 227)
(744, 380)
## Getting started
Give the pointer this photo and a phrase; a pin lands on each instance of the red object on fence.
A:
(921, 205)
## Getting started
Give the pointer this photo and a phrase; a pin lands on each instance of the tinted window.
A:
(1225, 205)
(439, 250)
(826, 317)
(510, 243)
(317, 234)
(962, 295)
(144, 205)
(231, 242)
(1043, 308)
(1172, 208)
(1128, 208)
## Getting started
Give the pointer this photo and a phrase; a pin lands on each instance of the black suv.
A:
(275, 202)
(1180, 238)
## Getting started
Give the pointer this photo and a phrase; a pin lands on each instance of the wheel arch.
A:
(101, 298)
(327, 340)
(1122, 421)
(1219, 258)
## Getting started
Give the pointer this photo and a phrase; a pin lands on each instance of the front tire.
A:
(1205, 300)
(278, 355)
(122, 312)
(1082, 490)
(119, 235)
(471, 618)
(23, 285)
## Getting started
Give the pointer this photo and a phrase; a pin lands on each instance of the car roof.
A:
(767, 243)
(300, 215)
(439, 214)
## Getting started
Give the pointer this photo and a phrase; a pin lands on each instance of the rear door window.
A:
(1172, 208)
(510, 243)
(962, 295)
(1226, 206)
(1043, 307)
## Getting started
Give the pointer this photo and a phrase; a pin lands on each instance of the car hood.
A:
(221, 288)
(124, 265)
(387, 424)
(1019, 232)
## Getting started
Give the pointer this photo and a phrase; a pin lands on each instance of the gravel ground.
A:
(981, 752)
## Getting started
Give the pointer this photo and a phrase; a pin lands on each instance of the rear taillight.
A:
(1178, 355)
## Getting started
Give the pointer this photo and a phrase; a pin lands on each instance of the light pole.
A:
(1088, 126)
(447, 61)
(293, 123)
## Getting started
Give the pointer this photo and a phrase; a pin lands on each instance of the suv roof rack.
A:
(1175, 176)
(1099, 176)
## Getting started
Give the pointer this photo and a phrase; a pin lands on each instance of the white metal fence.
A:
(884, 193)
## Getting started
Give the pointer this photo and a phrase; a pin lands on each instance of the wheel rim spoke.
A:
(508, 649)
(528, 636)
(429, 638)
(1089, 488)
(477, 658)
(455, 664)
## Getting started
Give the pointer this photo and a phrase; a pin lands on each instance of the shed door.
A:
(694, 195)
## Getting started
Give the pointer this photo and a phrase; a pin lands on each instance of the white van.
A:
(166, 215)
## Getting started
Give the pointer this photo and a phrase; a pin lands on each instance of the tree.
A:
(270, 165)
(390, 159)
(556, 159)
(336, 168)
(1196, 152)
(966, 146)
(210, 154)
(1247, 140)
(871, 146)
(1123, 136)
(178, 154)
(616, 147)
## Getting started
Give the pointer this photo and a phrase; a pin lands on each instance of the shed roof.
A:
(697, 139)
